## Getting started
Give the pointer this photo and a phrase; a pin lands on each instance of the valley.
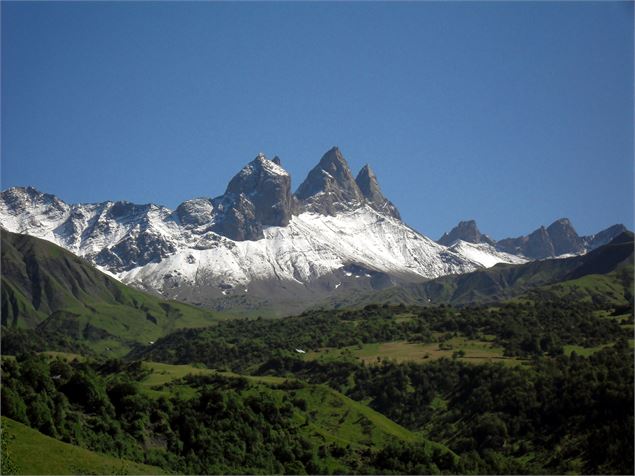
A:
(317, 334)
(432, 388)
(458, 374)
(317, 238)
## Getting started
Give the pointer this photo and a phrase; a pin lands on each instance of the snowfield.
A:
(484, 254)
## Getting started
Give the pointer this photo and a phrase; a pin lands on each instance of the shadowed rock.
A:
(369, 186)
(258, 196)
(466, 231)
(330, 186)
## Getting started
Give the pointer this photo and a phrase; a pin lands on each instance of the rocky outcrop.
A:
(195, 212)
(465, 231)
(605, 236)
(564, 238)
(258, 196)
(330, 187)
(367, 182)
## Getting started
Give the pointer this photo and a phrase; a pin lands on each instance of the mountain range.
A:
(260, 246)
(558, 239)
(601, 276)
(54, 300)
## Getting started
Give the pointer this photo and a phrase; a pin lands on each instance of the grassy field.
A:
(475, 351)
(35, 453)
(583, 351)
(83, 303)
(162, 374)
(609, 286)
(68, 356)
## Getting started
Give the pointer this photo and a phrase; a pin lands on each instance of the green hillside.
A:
(195, 421)
(31, 452)
(611, 289)
(322, 415)
(336, 418)
(55, 293)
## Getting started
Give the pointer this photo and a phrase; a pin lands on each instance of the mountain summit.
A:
(465, 231)
(564, 237)
(258, 196)
(369, 186)
(558, 239)
(330, 187)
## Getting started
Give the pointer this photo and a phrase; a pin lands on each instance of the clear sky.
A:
(513, 114)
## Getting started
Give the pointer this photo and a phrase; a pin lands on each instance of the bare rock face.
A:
(605, 236)
(539, 244)
(195, 212)
(564, 237)
(258, 196)
(330, 187)
(369, 186)
(136, 249)
(465, 231)
(557, 239)
(21, 200)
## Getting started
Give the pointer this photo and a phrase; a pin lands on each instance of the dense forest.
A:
(559, 399)
(228, 426)
(527, 329)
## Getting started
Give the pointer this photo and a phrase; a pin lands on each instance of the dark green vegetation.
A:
(523, 329)
(227, 424)
(51, 297)
(552, 413)
(542, 384)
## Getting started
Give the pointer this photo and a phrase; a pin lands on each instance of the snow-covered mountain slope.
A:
(484, 254)
(257, 232)
(311, 246)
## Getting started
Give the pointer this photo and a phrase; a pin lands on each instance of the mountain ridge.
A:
(506, 281)
(255, 241)
(558, 239)
(258, 245)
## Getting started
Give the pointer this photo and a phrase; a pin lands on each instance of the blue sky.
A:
(514, 114)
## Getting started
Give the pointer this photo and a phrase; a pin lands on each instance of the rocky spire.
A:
(564, 237)
(330, 186)
(259, 195)
(369, 186)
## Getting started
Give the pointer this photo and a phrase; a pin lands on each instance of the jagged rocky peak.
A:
(18, 198)
(121, 210)
(330, 186)
(255, 174)
(564, 238)
(465, 231)
(259, 195)
(20, 201)
(539, 244)
(369, 186)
